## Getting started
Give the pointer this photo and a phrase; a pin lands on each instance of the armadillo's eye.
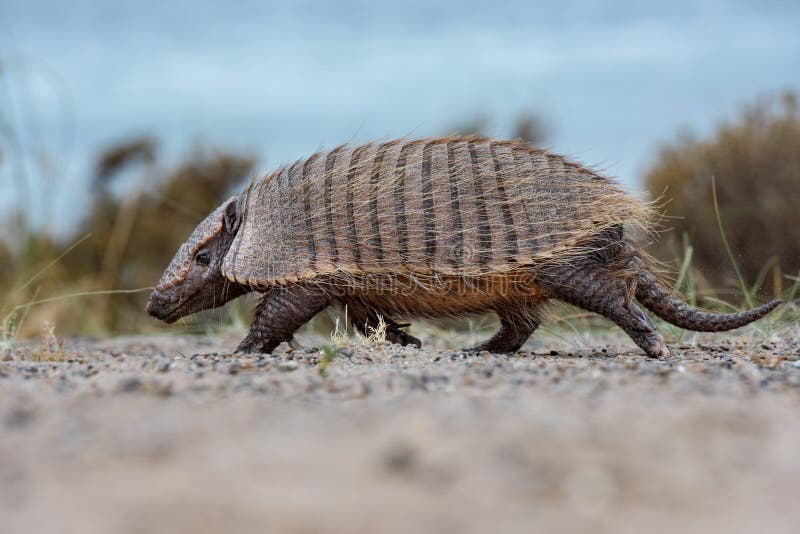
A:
(203, 258)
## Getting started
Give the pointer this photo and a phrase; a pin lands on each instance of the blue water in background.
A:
(612, 79)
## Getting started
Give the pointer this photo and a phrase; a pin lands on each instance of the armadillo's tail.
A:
(658, 299)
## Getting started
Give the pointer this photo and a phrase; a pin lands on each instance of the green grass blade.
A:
(49, 265)
(81, 294)
(687, 261)
(747, 295)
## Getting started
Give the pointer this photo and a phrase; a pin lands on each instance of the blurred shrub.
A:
(527, 126)
(6, 265)
(115, 158)
(476, 125)
(756, 163)
(531, 128)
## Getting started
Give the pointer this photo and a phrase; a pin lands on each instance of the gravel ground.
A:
(171, 434)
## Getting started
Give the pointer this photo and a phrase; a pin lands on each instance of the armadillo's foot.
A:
(498, 346)
(640, 330)
(643, 332)
(256, 346)
(515, 329)
(652, 343)
(638, 326)
(395, 334)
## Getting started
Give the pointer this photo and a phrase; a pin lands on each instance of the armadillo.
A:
(430, 228)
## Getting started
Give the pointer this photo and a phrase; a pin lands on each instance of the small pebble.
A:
(128, 385)
(288, 366)
(19, 417)
(399, 457)
(162, 366)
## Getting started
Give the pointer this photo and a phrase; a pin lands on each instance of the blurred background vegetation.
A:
(126, 238)
(122, 126)
(754, 161)
(123, 241)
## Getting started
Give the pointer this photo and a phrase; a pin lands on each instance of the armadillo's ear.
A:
(231, 217)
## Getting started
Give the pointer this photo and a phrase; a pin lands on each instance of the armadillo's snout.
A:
(153, 305)
(161, 306)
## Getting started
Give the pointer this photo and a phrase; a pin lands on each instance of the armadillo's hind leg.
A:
(597, 290)
(280, 313)
(516, 326)
(368, 321)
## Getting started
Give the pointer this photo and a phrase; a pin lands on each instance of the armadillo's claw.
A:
(255, 346)
(653, 344)
(401, 337)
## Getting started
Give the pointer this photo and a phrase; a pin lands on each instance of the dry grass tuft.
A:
(340, 338)
(377, 334)
(49, 349)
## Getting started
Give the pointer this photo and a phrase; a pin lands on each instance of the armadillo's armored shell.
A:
(463, 206)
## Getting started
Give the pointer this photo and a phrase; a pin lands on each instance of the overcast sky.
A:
(613, 79)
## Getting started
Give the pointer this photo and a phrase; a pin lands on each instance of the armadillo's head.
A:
(193, 280)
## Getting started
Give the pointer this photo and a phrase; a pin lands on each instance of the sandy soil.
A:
(170, 434)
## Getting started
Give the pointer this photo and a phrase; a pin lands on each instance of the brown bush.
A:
(755, 161)
(116, 157)
(528, 126)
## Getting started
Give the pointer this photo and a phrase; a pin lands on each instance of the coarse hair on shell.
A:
(460, 207)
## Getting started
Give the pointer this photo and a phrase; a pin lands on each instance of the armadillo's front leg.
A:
(280, 313)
